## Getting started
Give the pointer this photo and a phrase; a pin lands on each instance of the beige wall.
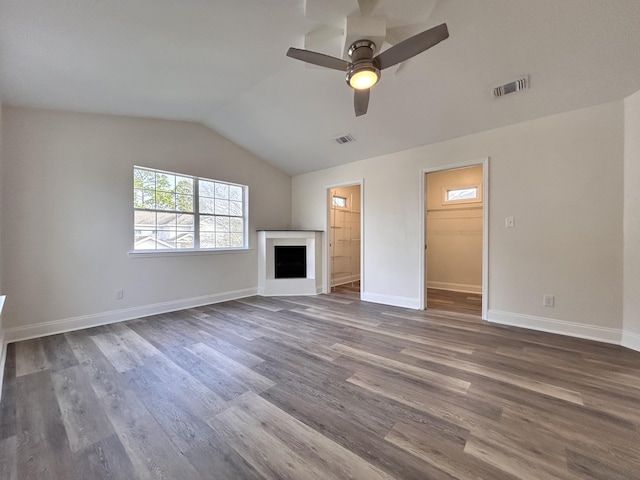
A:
(345, 237)
(632, 222)
(559, 176)
(67, 178)
(454, 233)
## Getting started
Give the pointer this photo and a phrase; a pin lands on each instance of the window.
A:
(466, 194)
(340, 202)
(174, 211)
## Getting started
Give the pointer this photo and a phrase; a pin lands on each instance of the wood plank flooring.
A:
(460, 302)
(323, 387)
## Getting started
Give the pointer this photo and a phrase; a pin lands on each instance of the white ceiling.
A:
(223, 63)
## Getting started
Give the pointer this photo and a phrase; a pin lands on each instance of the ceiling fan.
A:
(363, 72)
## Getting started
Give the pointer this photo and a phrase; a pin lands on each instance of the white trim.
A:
(3, 360)
(184, 252)
(53, 327)
(631, 340)
(422, 280)
(455, 287)
(346, 279)
(562, 327)
(393, 300)
(3, 345)
(326, 284)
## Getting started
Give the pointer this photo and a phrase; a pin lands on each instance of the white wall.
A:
(632, 222)
(560, 176)
(68, 218)
(454, 232)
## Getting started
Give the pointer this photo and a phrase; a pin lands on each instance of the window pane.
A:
(206, 205)
(144, 220)
(207, 189)
(236, 225)
(167, 221)
(339, 202)
(163, 244)
(144, 179)
(222, 240)
(237, 240)
(144, 199)
(207, 223)
(222, 207)
(184, 185)
(207, 240)
(138, 198)
(235, 209)
(184, 203)
(222, 224)
(145, 240)
(165, 201)
(462, 194)
(185, 240)
(235, 193)
(185, 223)
(165, 182)
(222, 190)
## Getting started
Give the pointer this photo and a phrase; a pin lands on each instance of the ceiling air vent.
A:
(342, 139)
(511, 87)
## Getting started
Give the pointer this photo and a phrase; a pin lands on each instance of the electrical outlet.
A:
(548, 300)
(119, 294)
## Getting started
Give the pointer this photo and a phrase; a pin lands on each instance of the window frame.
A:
(197, 217)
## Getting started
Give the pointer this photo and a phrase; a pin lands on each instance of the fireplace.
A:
(291, 261)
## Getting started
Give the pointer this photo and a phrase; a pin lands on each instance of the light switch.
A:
(510, 222)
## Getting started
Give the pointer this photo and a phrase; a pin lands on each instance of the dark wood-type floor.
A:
(323, 387)
(470, 303)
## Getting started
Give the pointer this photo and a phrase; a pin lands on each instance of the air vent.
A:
(511, 87)
(342, 139)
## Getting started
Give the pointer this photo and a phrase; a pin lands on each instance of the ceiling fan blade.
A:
(412, 46)
(319, 59)
(361, 101)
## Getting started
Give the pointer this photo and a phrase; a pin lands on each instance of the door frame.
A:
(485, 228)
(326, 253)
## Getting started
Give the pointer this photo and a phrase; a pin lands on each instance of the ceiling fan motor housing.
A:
(362, 63)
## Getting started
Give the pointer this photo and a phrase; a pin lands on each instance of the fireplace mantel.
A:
(268, 285)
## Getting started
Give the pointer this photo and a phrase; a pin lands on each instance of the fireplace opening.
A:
(291, 261)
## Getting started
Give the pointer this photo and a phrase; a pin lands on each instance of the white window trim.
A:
(147, 253)
(186, 252)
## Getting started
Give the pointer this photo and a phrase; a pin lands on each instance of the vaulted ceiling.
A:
(223, 63)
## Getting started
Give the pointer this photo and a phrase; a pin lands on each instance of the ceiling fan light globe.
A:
(363, 78)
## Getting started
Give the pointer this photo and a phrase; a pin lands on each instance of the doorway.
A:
(345, 228)
(455, 239)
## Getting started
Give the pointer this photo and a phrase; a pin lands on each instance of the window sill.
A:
(185, 252)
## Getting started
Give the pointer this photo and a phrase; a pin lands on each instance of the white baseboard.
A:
(455, 287)
(344, 280)
(562, 327)
(3, 345)
(631, 340)
(43, 329)
(406, 302)
(3, 359)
